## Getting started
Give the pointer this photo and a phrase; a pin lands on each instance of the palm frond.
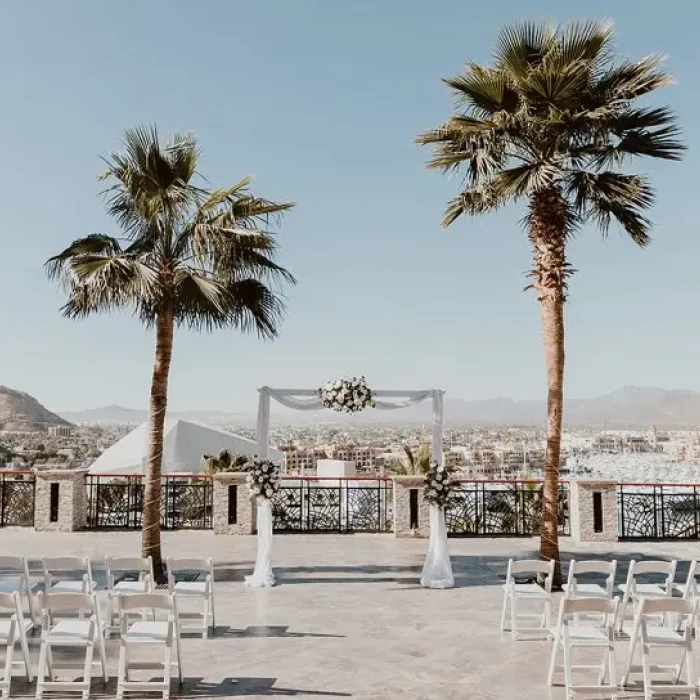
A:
(94, 244)
(520, 47)
(484, 91)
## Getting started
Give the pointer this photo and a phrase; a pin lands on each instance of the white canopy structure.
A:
(384, 400)
(184, 445)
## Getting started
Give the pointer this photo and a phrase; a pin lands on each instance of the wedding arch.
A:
(383, 400)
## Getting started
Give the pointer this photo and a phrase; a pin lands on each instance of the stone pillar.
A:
(234, 509)
(593, 510)
(404, 486)
(60, 501)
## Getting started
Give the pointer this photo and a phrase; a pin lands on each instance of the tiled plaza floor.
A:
(349, 618)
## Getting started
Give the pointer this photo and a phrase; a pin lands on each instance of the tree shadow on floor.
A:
(258, 687)
(268, 631)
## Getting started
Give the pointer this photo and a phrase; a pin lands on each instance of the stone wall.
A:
(581, 510)
(245, 510)
(72, 500)
(403, 485)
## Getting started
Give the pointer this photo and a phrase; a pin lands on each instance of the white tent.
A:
(184, 445)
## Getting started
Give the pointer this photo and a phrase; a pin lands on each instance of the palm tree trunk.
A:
(150, 523)
(550, 272)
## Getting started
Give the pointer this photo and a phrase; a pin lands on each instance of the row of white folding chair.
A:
(646, 634)
(60, 628)
(56, 580)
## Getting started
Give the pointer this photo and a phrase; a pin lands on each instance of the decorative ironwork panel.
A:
(323, 509)
(491, 508)
(287, 509)
(187, 504)
(462, 514)
(366, 509)
(658, 512)
(16, 499)
(118, 503)
(114, 503)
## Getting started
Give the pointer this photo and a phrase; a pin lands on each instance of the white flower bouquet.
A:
(347, 395)
(439, 486)
(263, 479)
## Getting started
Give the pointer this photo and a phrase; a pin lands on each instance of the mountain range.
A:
(20, 412)
(628, 407)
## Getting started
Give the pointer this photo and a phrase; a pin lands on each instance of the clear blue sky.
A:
(320, 100)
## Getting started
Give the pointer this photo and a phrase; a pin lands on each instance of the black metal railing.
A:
(17, 498)
(117, 502)
(502, 508)
(333, 505)
(658, 511)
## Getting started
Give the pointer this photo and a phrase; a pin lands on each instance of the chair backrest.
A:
(580, 606)
(141, 565)
(591, 566)
(663, 606)
(653, 566)
(202, 564)
(68, 602)
(56, 564)
(13, 564)
(10, 602)
(531, 566)
(146, 601)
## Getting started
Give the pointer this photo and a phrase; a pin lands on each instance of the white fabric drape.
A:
(263, 576)
(308, 400)
(437, 569)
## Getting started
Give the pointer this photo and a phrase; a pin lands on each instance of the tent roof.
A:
(184, 445)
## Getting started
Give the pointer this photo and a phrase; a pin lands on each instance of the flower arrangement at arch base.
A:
(263, 479)
(439, 486)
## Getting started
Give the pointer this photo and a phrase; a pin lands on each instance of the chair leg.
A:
(646, 671)
(103, 656)
(121, 671)
(553, 658)
(25, 654)
(568, 675)
(513, 617)
(7, 677)
(167, 671)
(504, 611)
(205, 618)
(87, 672)
(49, 662)
(41, 671)
(213, 617)
(690, 666)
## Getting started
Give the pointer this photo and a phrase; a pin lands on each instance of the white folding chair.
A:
(531, 592)
(568, 637)
(633, 591)
(202, 588)
(57, 579)
(60, 631)
(114, 566)
(649, 635)
(573, 588)
(13, 629)
(139, 633)
(14, 576)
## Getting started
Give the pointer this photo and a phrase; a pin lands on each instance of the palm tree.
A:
(226, 461)
(413, 464)
(551, 123)
(190, 256)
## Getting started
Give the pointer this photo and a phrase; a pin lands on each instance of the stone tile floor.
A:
(349, 618)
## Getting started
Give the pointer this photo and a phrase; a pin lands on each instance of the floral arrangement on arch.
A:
(439, 486)
(263, 479)
(347, 395)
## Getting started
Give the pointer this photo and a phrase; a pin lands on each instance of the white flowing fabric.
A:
(309, 400)
(437, 570)
(263, 576)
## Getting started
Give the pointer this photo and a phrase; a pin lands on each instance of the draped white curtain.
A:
(309, 400)
(437, 569)
(263, 576)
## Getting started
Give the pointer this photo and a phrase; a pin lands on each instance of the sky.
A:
(321, 101)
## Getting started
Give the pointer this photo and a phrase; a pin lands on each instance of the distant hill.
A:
(119, 414)
(21, 412)
(628, 407)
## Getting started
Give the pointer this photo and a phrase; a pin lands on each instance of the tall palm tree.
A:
(551, 123)
(190, 256)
